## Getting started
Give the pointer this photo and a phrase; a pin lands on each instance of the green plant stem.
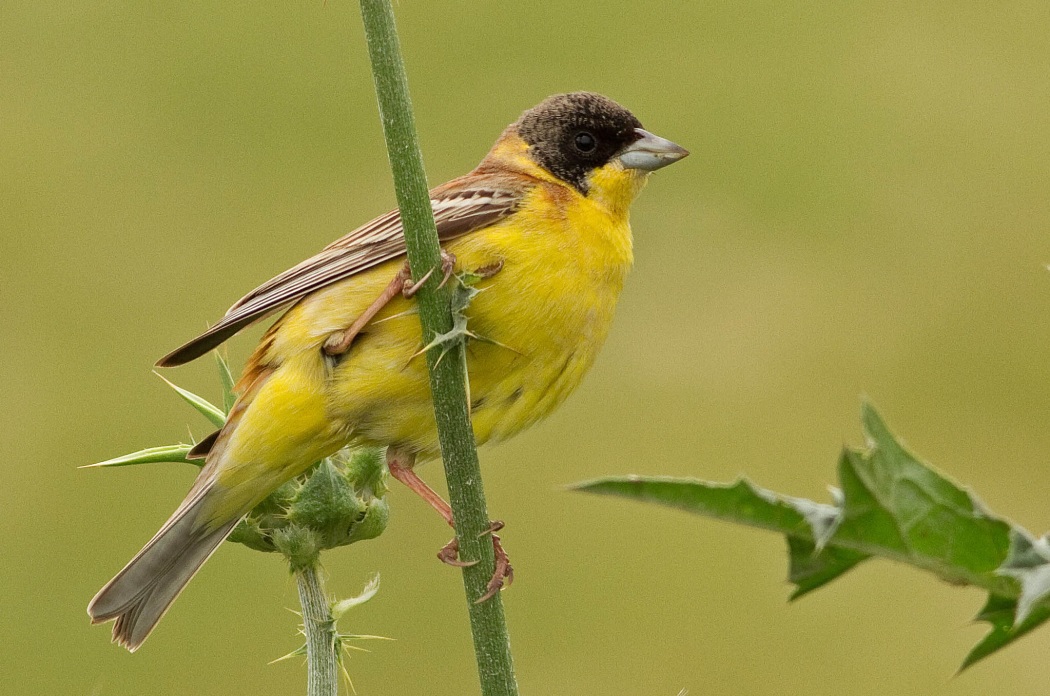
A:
(321, 660)
(448, 374)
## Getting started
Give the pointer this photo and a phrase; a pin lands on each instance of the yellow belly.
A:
(545, 315)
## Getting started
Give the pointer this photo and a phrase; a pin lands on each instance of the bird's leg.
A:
(339, 342)
(400, 463)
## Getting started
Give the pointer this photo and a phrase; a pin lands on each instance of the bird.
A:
(542, 223)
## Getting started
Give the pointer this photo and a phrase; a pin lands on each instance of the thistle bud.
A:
(335, 503)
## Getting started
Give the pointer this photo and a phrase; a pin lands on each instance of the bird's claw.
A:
(502, 576)
(449, 555)
(448, 264)
(409, 287)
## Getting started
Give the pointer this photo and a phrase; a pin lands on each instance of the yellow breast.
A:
(544, 317)
(540, 321)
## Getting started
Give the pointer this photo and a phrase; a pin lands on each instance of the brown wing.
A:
(461, 206)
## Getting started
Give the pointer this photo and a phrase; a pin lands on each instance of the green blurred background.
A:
(865, 212)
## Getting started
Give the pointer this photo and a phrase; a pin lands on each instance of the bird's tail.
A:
(138, 595)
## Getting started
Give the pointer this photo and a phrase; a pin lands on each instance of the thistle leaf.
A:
(210, 411)
(463, 293)
(226, 377)
(151, 455)
(889, 505)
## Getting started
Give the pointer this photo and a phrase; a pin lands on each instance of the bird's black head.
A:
(570, 135)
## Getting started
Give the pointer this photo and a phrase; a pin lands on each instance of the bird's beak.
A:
(651, 152)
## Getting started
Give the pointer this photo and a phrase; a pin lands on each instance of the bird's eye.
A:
(585, 142)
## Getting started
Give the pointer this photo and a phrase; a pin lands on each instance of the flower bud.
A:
(337, 502)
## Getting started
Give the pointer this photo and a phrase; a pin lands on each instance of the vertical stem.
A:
(321, 661)
(447, 376)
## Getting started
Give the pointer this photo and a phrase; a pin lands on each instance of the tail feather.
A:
(139, 595)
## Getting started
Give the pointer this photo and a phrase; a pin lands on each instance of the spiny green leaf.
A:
(896, 502)
(226, 377)
(1029, 564)
(1000, 612)
(809, 569)
(741, 502)
(151, 455)
(204, 407)
(890, 505)
(462, 294)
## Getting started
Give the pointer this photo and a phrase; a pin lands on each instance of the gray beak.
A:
(650, 152)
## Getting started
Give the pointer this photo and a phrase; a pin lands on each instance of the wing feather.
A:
(458, 210)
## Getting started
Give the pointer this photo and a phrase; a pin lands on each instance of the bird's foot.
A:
(449, 555)
(502, 576)
(448, 264)
(339, 342)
